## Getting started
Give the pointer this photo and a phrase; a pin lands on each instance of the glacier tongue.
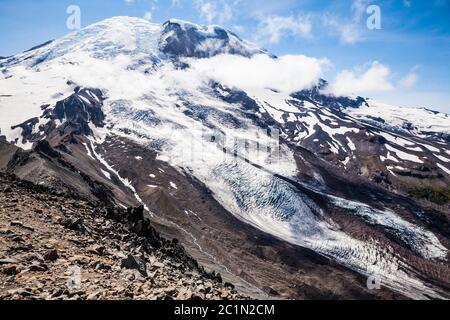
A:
(273, 206)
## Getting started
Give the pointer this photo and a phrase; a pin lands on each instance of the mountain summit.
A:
(301, 194)
(136, 37)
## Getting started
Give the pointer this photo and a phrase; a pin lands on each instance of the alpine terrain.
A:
(302, 195)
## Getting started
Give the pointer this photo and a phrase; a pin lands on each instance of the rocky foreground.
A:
(55, 246)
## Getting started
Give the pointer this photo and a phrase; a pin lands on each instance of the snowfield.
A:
(422, 119)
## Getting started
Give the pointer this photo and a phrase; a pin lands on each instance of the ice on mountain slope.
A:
(443, 159)
(271, 205)
(421, 120)
(420, 240)
(104, 40)
(258, 198)
(22, 96)
(124, 181)
(39, 77)
(140, 42)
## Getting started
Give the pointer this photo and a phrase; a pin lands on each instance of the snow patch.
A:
(173, 185)
(403, 155)
(106, 174)
(446, 170)
(88, 150)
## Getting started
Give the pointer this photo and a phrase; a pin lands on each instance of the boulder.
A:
(136, 263)
(73, 224)
(51, 255)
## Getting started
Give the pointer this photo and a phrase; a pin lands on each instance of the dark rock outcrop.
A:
(80, 109)
(187, 40)
(40, 46)
(27, 129)
(316, 95)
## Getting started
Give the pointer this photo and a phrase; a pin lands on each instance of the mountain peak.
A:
(135, 37)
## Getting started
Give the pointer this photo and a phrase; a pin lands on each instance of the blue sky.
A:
(406, 62)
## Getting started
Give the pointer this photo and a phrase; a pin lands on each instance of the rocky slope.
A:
(54, 246)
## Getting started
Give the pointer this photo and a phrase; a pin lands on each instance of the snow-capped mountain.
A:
(114, 112)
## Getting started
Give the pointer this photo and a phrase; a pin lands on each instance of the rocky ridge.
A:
(53, 246)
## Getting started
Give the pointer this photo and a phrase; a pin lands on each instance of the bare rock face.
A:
(27, 128)
(80, 109)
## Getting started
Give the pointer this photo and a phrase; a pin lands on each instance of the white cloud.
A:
(409, 80)
(273, 28)
(238, 28)
(359, 8)
(207, 11)
(349, 31)
(374, 77)
(129, 2)
(148, 15)
(215, 12)
(288, 73)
